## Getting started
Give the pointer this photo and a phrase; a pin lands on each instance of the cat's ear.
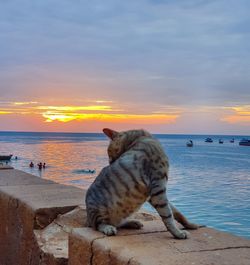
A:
(110, 133)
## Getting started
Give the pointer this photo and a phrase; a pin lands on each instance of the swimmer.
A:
(40, 165)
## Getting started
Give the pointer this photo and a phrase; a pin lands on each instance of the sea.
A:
(209, 182)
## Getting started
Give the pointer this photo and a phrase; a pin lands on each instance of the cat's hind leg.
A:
(131, 224)
(158, 199)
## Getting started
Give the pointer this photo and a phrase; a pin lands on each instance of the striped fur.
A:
(138, 171)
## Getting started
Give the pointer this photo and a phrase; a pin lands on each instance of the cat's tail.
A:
(178, 216)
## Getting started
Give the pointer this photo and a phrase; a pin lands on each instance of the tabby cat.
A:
(138, 172)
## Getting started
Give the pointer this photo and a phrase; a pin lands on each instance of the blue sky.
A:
(145, 56)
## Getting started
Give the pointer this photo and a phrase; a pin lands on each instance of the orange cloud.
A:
(139, 119)
(237, 119)
(76, 108)
(116, 118)
(242, 110)
(104, 113)
(240, 114)
(96, 112)
(5, 112)
(24, 103)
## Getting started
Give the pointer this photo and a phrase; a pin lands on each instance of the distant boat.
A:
(190, 143)
(221, 141)
(209, 140)
(232, 140)
(245, 142)
(5, 157)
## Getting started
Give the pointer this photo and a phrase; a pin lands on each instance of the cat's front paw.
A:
(109, 230)
(183, 235)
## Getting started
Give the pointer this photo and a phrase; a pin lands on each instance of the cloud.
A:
(114, 118)
(24, 103)
(77, 108)
(100, 113)
(238, 115)
(167, 53)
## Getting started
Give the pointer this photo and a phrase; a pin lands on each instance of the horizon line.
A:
(205, 134)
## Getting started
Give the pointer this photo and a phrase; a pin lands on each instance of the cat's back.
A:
(147, 147)
(93, 194)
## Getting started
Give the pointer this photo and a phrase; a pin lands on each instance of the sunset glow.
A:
(76, 108)
(103, 113)
(166, 66)
(116, 114)
(116, 118)
(240, 115)
(24, 103)
(4, 112)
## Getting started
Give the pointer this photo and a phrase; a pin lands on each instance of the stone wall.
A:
(43, 223)
(27, 203)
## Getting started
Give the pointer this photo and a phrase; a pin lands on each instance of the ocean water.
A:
(209, 183)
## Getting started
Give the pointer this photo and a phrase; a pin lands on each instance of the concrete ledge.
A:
(53, 239)
(148, 247)
(46, 201)
(27, 203)
(17, 177)
(42, 224)
(4, 166)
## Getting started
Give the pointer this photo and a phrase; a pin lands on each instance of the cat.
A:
(138, 172)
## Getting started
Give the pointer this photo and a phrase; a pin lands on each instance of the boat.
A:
(245, 142)
(190, 143)
(221, 141)
(232, 140)
(209, 140)
(5, 157)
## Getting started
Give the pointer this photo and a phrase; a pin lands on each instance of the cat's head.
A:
(120, 142)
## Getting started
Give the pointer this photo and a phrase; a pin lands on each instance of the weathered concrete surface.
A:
(18, 177)
(4, 166)
(46, 200)
(53, 239)
(149, 247)
(41, 225)
(27, 203)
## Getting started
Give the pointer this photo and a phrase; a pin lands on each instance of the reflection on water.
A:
(66, 163)
(210, 183)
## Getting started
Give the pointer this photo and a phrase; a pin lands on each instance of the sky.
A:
(166, 66)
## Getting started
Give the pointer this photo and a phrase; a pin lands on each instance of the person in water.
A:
(40, 165)
(31, 164)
